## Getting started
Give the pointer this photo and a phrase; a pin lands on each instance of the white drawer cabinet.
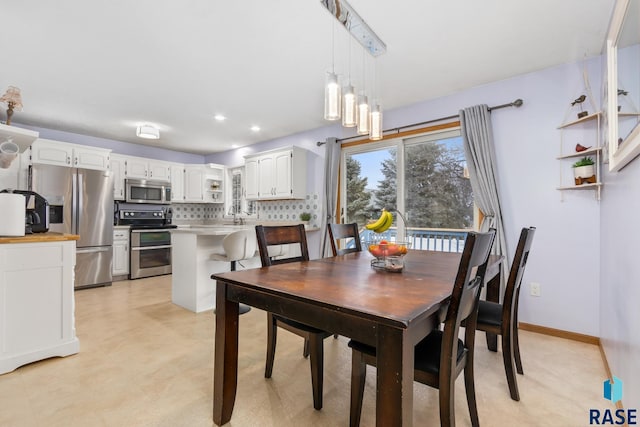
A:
(120, 252)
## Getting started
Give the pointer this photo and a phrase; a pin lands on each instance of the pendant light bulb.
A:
(332, 98)
(363, 115)
(349, 107)
(376, 123)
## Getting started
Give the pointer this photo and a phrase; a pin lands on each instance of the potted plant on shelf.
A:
(584, 171)
(305, 217)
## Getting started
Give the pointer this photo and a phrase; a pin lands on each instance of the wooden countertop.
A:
(39, 237)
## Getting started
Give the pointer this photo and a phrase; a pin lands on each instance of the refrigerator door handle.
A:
(93, 250)
(74, 203)
(80, 199)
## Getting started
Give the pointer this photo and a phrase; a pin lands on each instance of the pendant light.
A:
(349, 104)
(363, 105)
(375, 131)
(332, 92)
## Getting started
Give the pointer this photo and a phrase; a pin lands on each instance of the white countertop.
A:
(223, 229)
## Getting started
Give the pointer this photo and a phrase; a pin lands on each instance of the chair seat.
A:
(220, 257)
(299, 325)
(427, 352)
(489, 313)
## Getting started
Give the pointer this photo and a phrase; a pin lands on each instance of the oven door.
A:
(150, 253)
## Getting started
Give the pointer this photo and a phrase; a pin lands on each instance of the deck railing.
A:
(425, 239)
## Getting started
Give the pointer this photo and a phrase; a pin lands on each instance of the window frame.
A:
(398, 142)
(228, 202)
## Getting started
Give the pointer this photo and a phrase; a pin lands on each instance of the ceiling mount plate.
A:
(347, 16)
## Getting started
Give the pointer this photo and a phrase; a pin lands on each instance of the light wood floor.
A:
(146, 362)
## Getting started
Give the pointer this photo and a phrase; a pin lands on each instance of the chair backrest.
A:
(463, 305)
(241, 244)
(512, 290)
(344, 231)
(281, 235)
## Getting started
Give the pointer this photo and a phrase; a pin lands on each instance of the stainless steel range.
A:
(150, 253)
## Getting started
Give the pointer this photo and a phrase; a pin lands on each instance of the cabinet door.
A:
(177, 183)
(51, 153)
(251, 178)
(159, 171)
(266, 177)
(137, 168)
(117, 166)
(120, 258)
(282, 175)
(91, 158)
(194, 184)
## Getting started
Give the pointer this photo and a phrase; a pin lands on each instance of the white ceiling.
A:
(101, 68)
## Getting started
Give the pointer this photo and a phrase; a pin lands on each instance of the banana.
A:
(385, 226)
(379, 222)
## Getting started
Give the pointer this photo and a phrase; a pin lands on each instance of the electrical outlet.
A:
(535, 289)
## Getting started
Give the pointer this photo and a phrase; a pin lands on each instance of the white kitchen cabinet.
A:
(214, 183)
(251, 186)
(58, 153)
(141, 168)
(36, 302)
(194, 183)
(120, 252)
(177, 183)
(117, 163)
(281, 174)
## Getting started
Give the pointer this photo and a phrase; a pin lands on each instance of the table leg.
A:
(225, 369)
(394, 395)
(493, 295)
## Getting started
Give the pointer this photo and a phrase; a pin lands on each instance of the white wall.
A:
(565, 256)
(620, 266)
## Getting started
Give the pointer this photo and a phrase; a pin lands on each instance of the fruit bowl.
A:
(389, 256)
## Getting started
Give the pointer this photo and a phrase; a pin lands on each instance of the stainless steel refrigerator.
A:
(81, 202)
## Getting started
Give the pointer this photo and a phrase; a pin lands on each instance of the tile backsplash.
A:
(276, 210)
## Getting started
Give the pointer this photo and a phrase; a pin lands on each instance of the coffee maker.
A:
(36, 218)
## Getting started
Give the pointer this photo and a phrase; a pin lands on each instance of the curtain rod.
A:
(517, 103)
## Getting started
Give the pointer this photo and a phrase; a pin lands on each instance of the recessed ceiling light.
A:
(220, 117)
(255, 128)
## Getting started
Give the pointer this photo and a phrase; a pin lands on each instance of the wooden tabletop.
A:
(39, 238)
(350, 284)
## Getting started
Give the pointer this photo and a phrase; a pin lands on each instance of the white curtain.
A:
(331, 172)
(477, 134)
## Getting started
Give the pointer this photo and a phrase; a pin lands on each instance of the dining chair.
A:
(502, 319)
(313, 348)
(344, 231)
(441, 356)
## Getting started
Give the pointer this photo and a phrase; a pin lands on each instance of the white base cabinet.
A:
(36, 302)
(120, 252)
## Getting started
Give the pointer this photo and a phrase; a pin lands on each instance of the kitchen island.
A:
(192, 266)
(36, 298)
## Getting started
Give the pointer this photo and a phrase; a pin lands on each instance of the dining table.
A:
(345, 295)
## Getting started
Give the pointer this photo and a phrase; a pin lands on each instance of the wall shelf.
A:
(23, 137)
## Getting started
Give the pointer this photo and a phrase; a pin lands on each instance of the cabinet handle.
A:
(68, 160)
(76, 161)
(151, 174)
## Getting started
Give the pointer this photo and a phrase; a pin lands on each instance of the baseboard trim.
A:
(607, 368)
(574, 336)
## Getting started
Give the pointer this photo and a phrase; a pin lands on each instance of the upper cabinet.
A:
(214, 183)
(194, 183)
(49, 152)
(141, 168)
(118, 164)
(278, 174)
(177, 183)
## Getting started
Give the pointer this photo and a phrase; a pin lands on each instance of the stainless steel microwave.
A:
(146, 191)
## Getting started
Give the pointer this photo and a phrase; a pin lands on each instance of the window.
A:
(236, 202)
(422, 177)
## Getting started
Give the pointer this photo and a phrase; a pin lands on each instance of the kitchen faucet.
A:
(236, 219)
